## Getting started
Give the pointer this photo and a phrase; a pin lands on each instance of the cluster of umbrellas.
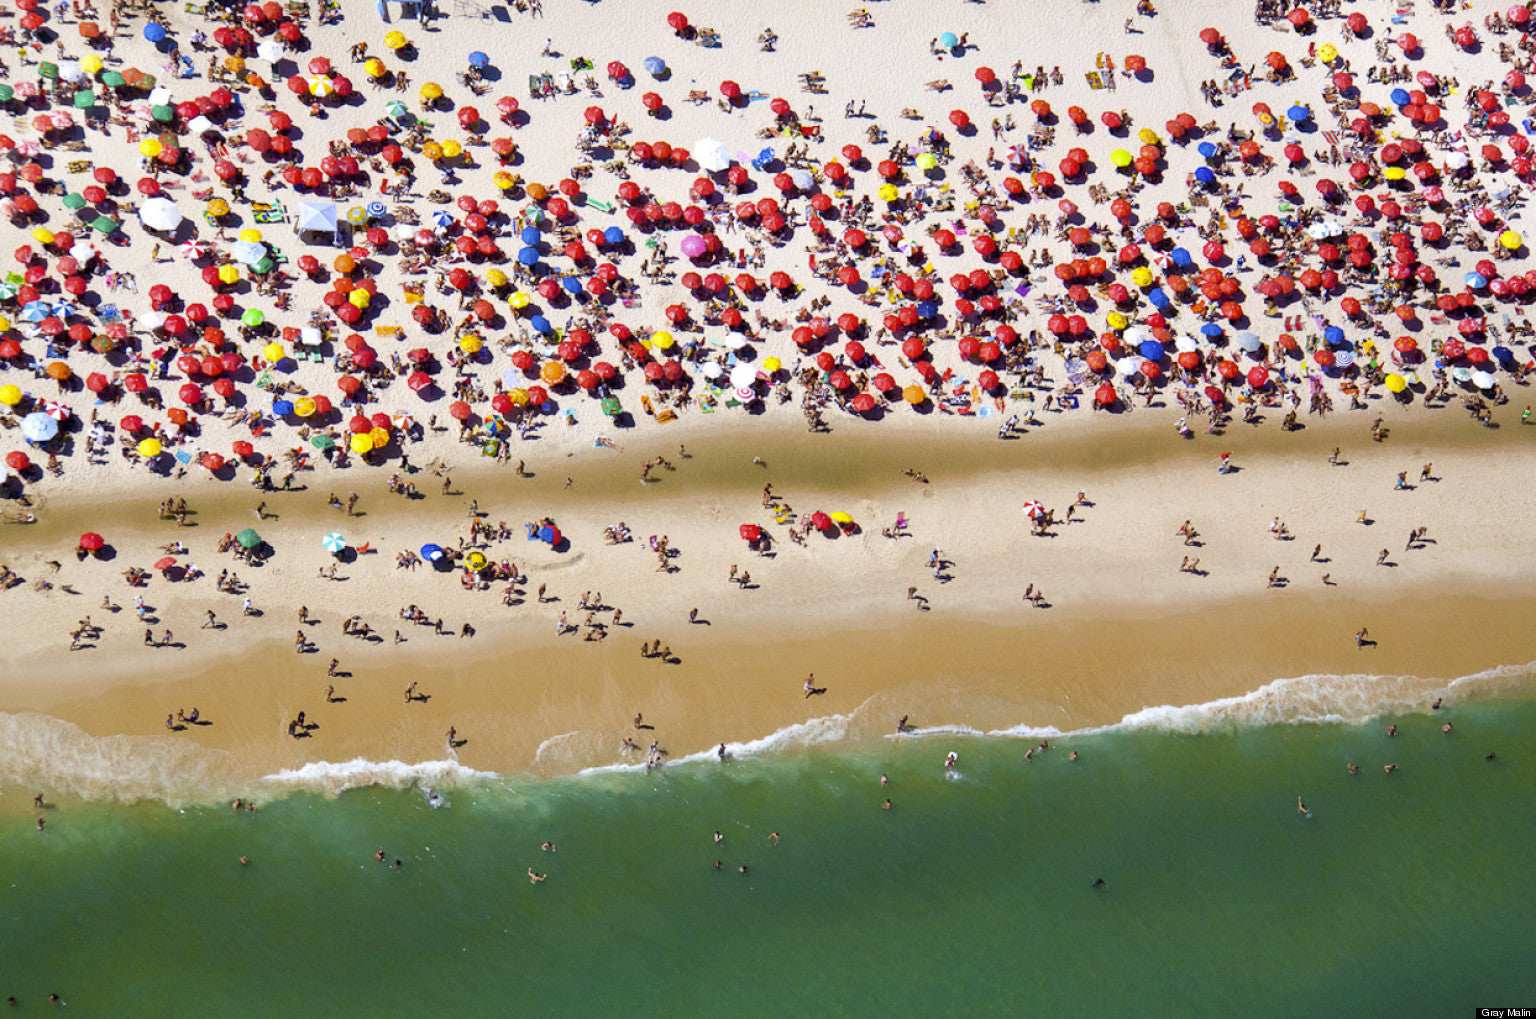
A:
(1163, 303)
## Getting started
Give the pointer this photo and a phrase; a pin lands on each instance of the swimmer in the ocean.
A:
(533, 877)
(1301, 808)
(949, 762)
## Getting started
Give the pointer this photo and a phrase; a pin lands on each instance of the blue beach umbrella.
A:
(1211, 330)
(1400, 97)
(1151, 350)
(529, 235)
(38, 427)
(1158, 297)
(572, 285)
(927, 309)
(479, 59)
(431, 553)
(442, 218)
(763, 158)
(528, 256)
(154, 31)
(1181, 258)
(377, 210)
(949, 40)
(1208, 150)
(1475, 280)
(655, 66)
(539, 323)
(1502, 355)
(1333, 335)
(333, 542)
(282, 408)
(613, 235)
(1299, 113)
(1204, 175)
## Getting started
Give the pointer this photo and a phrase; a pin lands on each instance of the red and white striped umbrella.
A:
(56, 410)
(1034, 509)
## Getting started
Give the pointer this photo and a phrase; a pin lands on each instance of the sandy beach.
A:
(1118, 626)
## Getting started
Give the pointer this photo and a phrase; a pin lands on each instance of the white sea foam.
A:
(337, 777)
(812, 732)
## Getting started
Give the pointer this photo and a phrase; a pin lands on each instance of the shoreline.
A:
(1116, 641)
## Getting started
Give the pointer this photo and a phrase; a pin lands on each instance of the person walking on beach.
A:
(1363, 636)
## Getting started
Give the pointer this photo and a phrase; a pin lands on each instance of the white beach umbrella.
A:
(1483, 380)
(712, 155)
(743, 376)
(1129, 366)
(160, 214)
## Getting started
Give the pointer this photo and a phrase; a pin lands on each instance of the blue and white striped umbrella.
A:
(333, 542)
(377, 210)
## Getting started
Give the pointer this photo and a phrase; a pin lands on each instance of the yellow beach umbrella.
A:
(396, 40)
(374, 67)
(495, 278)
(304, 406)
(1510, 241)
(1327, 53)
(519, 301)
(361, 443)
(888, 193)
(1396, 383)
(149, 448)
(149, 148)
(504, 180)
(432, 151)
(10, 395)
(379, 437)
(518, 397)
(662, 340)
(452, 149)
(251, 235)
(1116, 321)
(1141, 276)
(431, 90)
(272, 352)
(476, 561)
(1120, 158)
(229, 274)
(772, 364)
(91, 63)
(470, 343)
(218, 207)
(359, 298)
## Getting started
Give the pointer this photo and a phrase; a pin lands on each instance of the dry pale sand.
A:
(1124, 631)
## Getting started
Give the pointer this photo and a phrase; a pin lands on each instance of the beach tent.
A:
(318, 217)
(248, 538)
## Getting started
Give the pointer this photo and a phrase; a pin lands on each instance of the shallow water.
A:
(1403, 894)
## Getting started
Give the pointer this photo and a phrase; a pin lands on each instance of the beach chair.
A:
(80, 165)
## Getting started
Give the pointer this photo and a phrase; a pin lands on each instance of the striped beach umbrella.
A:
(333, 542)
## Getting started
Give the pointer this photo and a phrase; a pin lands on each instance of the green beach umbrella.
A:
(6, 93)
(104, 224)
(74, 201)
(8, 290)
(252, 317)
(47, 70)
(322, 442)
(85, 99)
(611, 407)
(395, 108)
(112, 79)
(248, 538)
(164, 113)
(264, 266)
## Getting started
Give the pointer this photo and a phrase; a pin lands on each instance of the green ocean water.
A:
(1404, 894)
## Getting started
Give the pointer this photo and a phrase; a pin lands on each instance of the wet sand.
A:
(1125, 629)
